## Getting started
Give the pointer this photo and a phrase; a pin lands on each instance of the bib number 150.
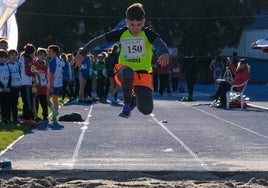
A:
(133, 48)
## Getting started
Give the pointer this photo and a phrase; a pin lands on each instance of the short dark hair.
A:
(54, 48)
(115, 47)
(29, 49)
(63, 56)
(3, 53)
(243, 61)
(12, 51)
(234, 54)
(3, 41)
(135, 12)
(41, 51)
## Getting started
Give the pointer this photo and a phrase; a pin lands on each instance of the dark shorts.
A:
(56, 91)
(34, 95)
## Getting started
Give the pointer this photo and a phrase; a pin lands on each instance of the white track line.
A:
(249, 103)
(229, 122)
(257, 106)
(78, 145)
(10, 146)
(199, 160)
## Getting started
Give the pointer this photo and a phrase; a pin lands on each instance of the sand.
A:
(71, 179)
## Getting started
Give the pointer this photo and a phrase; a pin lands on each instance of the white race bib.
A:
(134, 48)
(43, 79)
(16, 80)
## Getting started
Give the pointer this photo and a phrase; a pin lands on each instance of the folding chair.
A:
(234, 95)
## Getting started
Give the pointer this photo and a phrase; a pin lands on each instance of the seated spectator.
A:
(242, 75)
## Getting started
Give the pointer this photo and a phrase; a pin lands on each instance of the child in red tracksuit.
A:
(40, 67)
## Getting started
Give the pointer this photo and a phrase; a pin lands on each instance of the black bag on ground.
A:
(71, 117)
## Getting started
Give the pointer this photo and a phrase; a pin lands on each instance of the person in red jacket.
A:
(164, 73)
(242, 75)
(174, 74)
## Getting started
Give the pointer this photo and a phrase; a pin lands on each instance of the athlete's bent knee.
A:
(145, 110)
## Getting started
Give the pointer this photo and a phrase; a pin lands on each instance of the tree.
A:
(204, 26)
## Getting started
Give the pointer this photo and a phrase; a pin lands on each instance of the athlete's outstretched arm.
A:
(88, 47)
(162, 47)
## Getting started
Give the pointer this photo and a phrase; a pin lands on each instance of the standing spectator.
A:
(94, 76)
(110, 63)
(3, 44)
(217, 67)
(41, 68)
(15, 74)
(36, 81)
(54, 80)
(175, 73)
(189, 68)
(5, 81)
(67, 78)
(83, 76)
(70, 58)
(155, 72)
(76, 79)
(164, 74)
(26, 62)
(72, 81)
(88, 88)
(101, 74)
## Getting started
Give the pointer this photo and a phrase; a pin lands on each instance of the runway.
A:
(177, 136)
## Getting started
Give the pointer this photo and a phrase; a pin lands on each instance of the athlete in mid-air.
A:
(133, 71)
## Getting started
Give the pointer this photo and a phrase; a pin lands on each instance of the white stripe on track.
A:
(249, 103)
(199, 160)
(78, 145)
(11, 145)
(229, 122)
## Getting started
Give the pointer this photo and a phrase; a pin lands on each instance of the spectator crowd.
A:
(44, 76)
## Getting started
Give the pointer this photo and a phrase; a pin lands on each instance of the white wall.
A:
(244, 47)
